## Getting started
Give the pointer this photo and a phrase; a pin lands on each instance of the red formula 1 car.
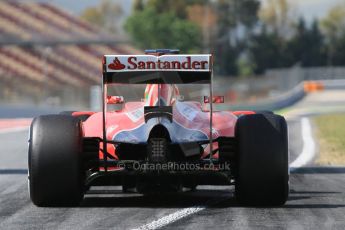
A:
(158, 136)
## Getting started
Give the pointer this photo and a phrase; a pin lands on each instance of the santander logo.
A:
(116, 65)
(181, 63)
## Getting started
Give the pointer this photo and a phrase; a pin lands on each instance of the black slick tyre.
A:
(55, 161)
(261, 175)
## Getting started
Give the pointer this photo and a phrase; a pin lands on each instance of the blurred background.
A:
(50, 51)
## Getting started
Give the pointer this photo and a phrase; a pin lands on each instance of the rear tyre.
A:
(261, 175)
(55, 161)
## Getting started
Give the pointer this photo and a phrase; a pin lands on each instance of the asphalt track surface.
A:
(317, 200)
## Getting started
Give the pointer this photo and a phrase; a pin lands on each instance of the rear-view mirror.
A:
(115, 100)
(215, 100)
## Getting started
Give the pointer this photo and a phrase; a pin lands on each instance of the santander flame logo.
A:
(116, 65)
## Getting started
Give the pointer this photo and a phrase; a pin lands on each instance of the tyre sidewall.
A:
(55, 160)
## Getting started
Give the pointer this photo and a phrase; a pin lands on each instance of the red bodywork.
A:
(184, 121)
(187, 116)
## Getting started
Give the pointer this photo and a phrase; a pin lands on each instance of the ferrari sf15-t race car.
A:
(158, 131)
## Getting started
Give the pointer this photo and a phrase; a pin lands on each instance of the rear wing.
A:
(150, 69)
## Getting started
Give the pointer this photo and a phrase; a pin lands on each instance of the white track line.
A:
(308, 151)
(305, 157)
(13, 130)
(170, 218)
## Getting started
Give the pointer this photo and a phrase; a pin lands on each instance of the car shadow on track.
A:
(173, 200)
(314, 192)
(218, 199)
(313, 206)
(318, 170)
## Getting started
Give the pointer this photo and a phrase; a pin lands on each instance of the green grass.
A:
(331, 138)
